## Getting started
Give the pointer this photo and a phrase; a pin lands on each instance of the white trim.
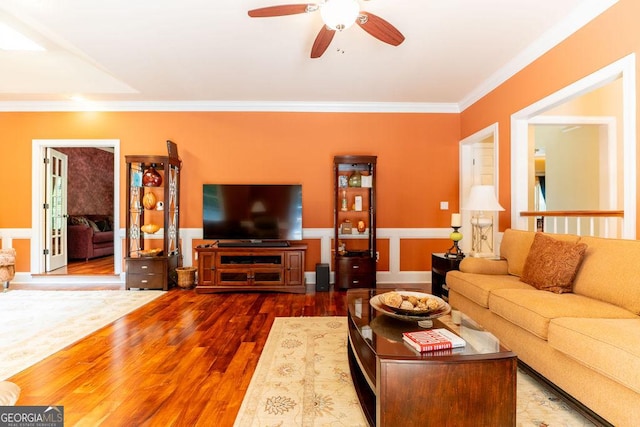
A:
(581, 120)
(37, 182)
(625, 69)
(584, 13)
(226, 106)
(188, 235)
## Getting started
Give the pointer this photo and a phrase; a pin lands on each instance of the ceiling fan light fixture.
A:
(339, 14)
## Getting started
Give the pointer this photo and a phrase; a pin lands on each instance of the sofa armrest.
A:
(79, 241)
(484, 266)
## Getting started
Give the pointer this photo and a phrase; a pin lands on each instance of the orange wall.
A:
(611, 36)
(417, 156)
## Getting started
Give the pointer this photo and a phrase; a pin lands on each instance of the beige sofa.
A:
(586, 341)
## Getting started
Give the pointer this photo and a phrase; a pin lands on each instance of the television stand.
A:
(255, 244)
(251, 268)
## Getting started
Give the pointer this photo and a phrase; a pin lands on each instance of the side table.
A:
(440, 265)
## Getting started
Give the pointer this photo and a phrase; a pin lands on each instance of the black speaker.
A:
(322, 277)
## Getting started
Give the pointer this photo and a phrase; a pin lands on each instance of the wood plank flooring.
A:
(102, 265)
(185, 359)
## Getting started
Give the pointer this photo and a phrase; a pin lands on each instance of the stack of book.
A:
(433, 340)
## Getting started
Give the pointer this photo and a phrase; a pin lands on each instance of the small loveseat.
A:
(577, 320)
(89, 236)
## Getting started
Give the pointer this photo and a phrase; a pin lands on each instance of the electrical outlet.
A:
(377, 256)
(444, 206)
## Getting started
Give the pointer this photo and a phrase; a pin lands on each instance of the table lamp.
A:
(482, 202)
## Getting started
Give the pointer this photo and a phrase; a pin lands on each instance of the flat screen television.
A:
(252, 213)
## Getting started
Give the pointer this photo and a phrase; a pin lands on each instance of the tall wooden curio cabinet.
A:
(354, 243)
(152, 251)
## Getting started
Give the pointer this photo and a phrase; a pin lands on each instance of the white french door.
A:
(55, 210)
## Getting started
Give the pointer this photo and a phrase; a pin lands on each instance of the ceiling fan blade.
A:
(282, 10)
(323, 39)
(379, 28)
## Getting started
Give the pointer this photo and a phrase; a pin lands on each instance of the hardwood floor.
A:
(102, 265)
(185, 359)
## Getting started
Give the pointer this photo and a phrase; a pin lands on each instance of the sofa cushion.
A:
(552, 264)
(484, 266)
(608, 274)
(609, 346)
(515, 247)
(93, 226)
(532, 309)
(477, 287)
(78, 220)
(103, 225)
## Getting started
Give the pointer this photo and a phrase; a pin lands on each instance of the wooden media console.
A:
(252, 268)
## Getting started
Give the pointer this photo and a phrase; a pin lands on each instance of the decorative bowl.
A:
(150, 228)
(150, 252)
(378, 303)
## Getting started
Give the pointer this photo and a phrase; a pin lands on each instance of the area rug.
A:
(36, 324)
(302, 379)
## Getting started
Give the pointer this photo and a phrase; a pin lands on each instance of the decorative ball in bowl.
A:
(412, 303)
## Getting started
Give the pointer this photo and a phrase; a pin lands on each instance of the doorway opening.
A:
(478, 166)
(617, 174)
(41, 216)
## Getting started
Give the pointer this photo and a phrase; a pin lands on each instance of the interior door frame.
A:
(466, 180)
(625, 69)
(38, 192)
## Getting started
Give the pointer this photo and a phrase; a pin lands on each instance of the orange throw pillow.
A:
(552, 264)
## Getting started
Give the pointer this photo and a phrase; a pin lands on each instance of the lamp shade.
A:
(482, 198)
(339, 14)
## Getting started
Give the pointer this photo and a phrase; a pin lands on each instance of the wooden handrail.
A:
(586, 213)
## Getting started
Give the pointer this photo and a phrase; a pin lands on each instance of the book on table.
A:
(433, 339)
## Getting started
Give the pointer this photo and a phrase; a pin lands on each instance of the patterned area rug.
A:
(302, 379)
(36, 324)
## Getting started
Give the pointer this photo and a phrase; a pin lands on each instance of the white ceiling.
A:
(186, 53)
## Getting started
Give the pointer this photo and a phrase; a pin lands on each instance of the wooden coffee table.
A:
(396, 385)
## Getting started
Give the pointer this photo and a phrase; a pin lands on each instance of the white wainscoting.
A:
(188, 235)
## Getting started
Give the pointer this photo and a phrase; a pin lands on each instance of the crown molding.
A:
(580, 17)
(229, 106)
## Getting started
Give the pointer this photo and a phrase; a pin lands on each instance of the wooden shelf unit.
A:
(354, 253)
(152, 272)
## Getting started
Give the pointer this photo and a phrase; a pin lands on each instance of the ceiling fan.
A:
(337, 16)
